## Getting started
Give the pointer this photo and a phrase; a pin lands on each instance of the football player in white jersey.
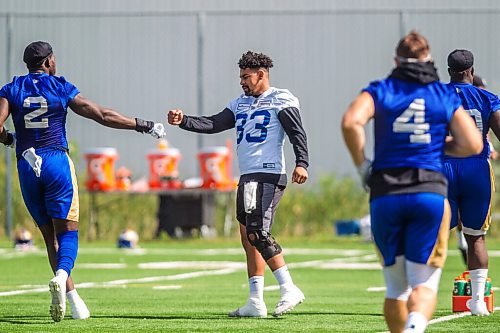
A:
(261, 115)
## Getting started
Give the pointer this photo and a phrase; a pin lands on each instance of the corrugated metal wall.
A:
(140, 57)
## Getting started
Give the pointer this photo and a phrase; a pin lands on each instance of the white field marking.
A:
(337, 264)
(273, 287)
(11, 253)
(226, 251)
(102, 266)
(351, 265)
(25, 291)
(193, 264)
(494, 288)
(167, 287)
(130, 281)
(449, 317)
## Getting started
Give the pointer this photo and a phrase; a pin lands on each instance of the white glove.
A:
(158, 131)
(34, 160)
(364, 171)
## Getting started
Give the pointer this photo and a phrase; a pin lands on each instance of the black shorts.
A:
(261, 218)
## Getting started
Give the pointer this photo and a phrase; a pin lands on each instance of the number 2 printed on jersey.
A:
(418, 128)
(28, 123)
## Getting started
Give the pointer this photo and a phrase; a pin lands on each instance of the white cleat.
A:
(288, 301)
(253, 308)
(57, 287)
(478, 308)
(79, 310)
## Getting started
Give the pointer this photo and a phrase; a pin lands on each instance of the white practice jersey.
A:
(260, 135)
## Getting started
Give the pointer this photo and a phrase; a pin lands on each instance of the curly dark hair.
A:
(255, 60)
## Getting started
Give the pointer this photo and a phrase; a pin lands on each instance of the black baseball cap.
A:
(36, 52)
(460, 60)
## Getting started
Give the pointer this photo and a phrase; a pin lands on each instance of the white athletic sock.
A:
(73, 296)
(477, 282)
(256, 284)
(416, 323)
(284, 279)
(62, 273)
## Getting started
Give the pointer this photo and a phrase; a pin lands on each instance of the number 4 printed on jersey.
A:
(419, 128)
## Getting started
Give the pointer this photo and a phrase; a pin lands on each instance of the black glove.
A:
(11, 140)
(143, 126)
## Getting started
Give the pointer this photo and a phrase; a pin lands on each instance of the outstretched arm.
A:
(111, 118)
(292, 124)
(5, 137)
(206, 124)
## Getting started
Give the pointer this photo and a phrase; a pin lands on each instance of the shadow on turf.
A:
(30, 320)
(224, 316)
(26, 320)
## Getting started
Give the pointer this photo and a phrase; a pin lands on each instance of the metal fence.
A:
(142, 63)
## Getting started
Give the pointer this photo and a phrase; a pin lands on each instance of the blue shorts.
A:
(55, 193)
(471, 186)
(414, 225)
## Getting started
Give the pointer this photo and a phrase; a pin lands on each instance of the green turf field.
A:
(205, 280)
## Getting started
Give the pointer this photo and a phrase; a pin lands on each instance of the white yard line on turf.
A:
(9, 253)
(449, 317)
(167, 287)
(149, 279)
(102, 266)
(226, 268)
(192, 264)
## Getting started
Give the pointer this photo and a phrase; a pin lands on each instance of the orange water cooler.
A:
(101, 169)
(215, 168)
(163, 172)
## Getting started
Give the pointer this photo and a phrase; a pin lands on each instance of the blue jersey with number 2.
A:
(411, 123)
(38, 104)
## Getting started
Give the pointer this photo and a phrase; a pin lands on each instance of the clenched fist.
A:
(175, 117)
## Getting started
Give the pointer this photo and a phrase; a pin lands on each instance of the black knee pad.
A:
(264, 243)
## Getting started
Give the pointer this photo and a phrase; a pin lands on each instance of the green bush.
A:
(303, 211)
(307, 210)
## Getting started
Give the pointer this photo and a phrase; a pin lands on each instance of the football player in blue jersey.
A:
(261, 115)
(412, 114)
(471, 182)
(38, 105)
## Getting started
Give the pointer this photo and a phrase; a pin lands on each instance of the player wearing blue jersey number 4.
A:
(261, 116)
(412, 112)
(38, 105)
(471, 180)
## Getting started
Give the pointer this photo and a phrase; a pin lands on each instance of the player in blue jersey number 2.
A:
(410, 215)
(262, 115)
(38, 105)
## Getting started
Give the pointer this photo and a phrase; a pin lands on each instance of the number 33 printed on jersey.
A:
(262, 135)
(418, 128)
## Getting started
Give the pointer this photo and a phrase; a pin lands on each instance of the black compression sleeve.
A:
(292, 124)
(209, 124)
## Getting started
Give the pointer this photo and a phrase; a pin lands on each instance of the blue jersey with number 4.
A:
(480, 104)
(411, 123)
(38, 104)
